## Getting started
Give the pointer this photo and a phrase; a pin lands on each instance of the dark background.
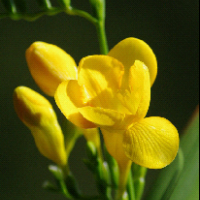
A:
(169, 27)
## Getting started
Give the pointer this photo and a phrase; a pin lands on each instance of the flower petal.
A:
(114, 143)
(106, 117)
(132, 49)
(101, 76)
(37, 114)
(28, 103)
(68, 107)
(137, 98)
(49, 66)
(152, 142)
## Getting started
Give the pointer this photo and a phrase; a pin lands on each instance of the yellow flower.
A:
(113, 92)
(49, 66)
(38, 115)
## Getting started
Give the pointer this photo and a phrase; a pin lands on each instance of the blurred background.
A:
(171, 28)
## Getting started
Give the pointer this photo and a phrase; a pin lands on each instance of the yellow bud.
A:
(49, 66)
(37, 114)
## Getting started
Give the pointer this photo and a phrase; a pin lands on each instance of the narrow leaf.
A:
(187, 187)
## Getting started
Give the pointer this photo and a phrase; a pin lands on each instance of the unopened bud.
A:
(49, 66)
(37, 114)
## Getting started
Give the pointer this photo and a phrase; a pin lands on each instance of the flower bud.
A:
(49, 66)
(37, 114)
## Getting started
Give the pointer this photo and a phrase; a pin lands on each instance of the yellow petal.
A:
(38, 115)
(137, 98)
(132, 49)
(114, 143)
(77, 93)
(28, 104)
(101, 76)
(49, 66)
(69, 107)
(153, 142)
(106, 117)
(50, 142)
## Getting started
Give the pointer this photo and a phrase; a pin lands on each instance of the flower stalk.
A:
(99, 10)
(130, 187)
(124, 169)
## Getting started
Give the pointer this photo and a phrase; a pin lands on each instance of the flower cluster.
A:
(112, 92)
(49, 66)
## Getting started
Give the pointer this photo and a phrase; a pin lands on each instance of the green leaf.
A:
(179, 181)
(187, 186)
(167, 177)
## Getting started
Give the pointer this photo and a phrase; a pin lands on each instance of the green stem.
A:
(100, 26)
(32, 16)
(139, 187)
(64, 189)
(124, 171)
(139, 174)
(73, 11)
(100, 11)
(57, 172)
(49, 11)
(113, 168)
(130, 187)
(99, 20)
